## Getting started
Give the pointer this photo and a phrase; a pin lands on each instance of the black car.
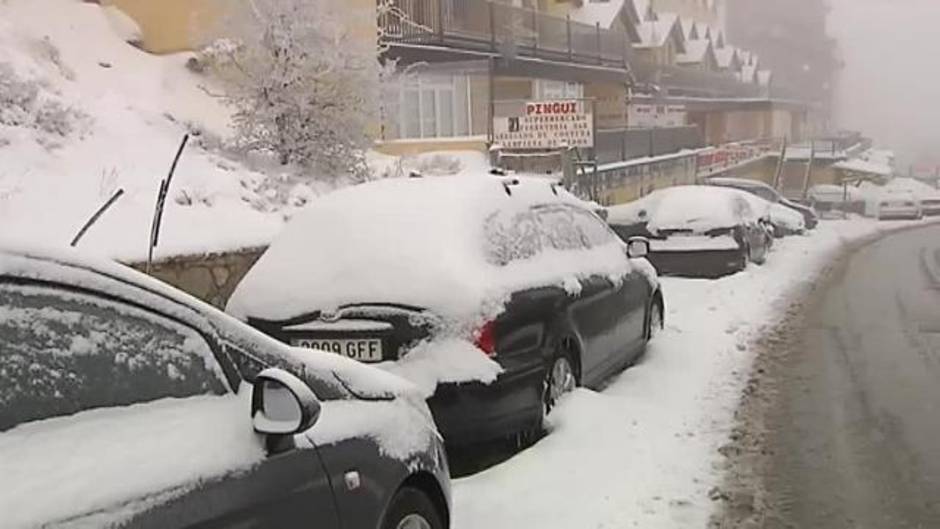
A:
(125, 403)
(696, 231)
(516, 276)
(810, 218)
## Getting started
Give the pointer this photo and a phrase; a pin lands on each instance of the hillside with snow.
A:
(84, 113)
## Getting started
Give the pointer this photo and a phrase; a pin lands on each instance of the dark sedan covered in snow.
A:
(699, 231)
(496, 295)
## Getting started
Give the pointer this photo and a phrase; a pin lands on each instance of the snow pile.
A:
(696, 208)
(644, 452)
(444, 360)
(101, 459)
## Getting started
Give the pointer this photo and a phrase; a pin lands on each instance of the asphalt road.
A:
(854, 434)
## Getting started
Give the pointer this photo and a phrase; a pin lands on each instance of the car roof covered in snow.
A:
(416, 242)
(693, 207)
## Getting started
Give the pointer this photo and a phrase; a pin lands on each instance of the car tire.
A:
(411, 508)
(654, 324)
(560, 378)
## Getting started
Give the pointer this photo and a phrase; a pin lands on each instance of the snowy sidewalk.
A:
(644, 452)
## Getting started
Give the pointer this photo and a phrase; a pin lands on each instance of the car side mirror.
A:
(638, 247)
(282, 404)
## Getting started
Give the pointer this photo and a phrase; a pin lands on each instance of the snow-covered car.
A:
(930, 203)
(768, 193)
(704, 231)
(898, 204)
(495, 294)
(927, 195)
(781, 220)
(125, 403)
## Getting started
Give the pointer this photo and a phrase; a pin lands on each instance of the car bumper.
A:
(932, 211)
(893, 213)
(703, 263)
(474, 412)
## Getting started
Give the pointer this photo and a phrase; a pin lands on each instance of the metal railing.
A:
(497, 26)
(615, 145)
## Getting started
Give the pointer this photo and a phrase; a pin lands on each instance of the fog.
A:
(888, 86)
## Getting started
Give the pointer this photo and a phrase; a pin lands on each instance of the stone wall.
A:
(209, 277)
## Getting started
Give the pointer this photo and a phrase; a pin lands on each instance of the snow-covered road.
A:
(644, 451)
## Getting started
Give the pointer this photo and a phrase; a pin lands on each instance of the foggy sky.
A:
(890, 84)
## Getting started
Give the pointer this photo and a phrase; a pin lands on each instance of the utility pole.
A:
(780, 161)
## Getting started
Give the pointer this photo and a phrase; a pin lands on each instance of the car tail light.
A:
(485, 339)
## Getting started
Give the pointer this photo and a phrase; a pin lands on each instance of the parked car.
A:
(705, 231)
(516, 268)
(930, 203)
(768, 193)
(782, 221)
(899, 204)
(124, 402)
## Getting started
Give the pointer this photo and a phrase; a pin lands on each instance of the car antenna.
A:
(161, 201)
(94, 218)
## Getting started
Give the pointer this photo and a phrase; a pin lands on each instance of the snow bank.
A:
(644, 451)
(101, 459)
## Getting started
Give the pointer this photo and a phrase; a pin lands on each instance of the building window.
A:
(434, 106)
(545, 89)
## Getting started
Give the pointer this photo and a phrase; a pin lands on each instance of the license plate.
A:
(366, 350)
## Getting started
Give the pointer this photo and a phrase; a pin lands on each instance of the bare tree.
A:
(304, 84)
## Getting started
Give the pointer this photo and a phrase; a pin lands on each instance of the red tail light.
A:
(485, 339)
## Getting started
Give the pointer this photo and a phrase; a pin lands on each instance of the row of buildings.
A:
(650, 77)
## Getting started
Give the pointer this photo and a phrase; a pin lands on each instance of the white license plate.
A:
(366, 350)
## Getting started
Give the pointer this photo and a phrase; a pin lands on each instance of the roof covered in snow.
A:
(765, 77)
(728, 58)
(603, 13)
(857, 165)
(695, 52)
(655, 34)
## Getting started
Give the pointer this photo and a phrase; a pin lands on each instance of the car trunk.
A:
(368, 333)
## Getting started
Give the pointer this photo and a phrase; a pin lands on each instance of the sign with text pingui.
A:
(547, 125)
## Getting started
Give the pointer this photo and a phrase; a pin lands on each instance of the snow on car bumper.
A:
(898, 213)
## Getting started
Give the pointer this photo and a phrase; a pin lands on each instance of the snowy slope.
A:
(135, 108)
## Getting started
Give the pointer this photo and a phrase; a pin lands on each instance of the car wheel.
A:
(559, 379)
(412, 509)
(655, 322)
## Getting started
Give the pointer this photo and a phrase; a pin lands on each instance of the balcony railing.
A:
(497, 27)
